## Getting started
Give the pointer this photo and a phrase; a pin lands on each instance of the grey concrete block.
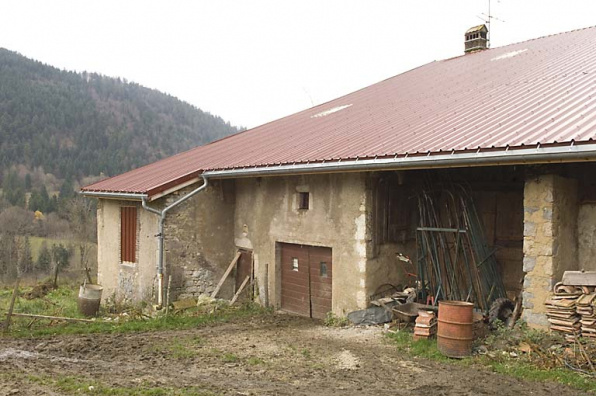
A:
(529, 228)
(547, 213)
(534, 318)
(528, 300)
(529, 264)
(530, 209)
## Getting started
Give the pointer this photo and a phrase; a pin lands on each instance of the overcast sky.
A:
(253, 61)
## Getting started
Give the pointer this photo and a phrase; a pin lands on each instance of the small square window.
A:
(303, 200)
(294, 264)
(323, 269)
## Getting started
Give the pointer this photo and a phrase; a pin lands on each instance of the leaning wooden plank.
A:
(225, 275)
(12, 300)
(240, 290)
(252, 276)
(579, 278)
(24, 315)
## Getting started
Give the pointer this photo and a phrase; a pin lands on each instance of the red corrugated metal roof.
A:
(541, 91)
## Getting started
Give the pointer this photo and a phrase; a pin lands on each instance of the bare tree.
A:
(81, 214)
(15, 223)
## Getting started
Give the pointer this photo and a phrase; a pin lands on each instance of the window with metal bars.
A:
(128, 234)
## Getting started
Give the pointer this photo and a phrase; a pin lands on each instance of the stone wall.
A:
(199, 241)
(550, 240)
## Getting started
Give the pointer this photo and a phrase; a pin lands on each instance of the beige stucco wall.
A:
(132, 282)
(586, 226)
(384, 268)
(266, 213)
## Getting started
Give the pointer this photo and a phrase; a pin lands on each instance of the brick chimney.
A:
(476, 39)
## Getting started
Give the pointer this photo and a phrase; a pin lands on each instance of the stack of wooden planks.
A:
(562, 313)
(586, 307)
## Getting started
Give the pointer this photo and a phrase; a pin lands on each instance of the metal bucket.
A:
(89, 299)
(456, 326)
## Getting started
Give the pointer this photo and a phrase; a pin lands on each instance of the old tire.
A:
(501, 310)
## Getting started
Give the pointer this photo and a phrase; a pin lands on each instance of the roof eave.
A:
(113, 195)
(538, 155)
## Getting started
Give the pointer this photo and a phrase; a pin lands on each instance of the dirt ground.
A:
(263, 355)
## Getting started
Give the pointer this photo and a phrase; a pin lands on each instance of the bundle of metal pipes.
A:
(454, 259)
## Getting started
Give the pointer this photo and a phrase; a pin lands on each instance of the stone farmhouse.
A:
(316, 207)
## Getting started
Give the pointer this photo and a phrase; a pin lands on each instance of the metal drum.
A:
(89, 299)
(456, 325)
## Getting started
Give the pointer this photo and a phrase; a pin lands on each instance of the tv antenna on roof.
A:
(487, 18)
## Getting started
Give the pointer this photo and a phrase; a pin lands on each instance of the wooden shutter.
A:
(128, 233)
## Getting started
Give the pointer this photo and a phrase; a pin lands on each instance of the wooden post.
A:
(225, 275)
(252, 276)
(516, 311)
(168, 295)
(12, 301)
(56, 269)
(240, 290)
(88, 273)
(23, 315)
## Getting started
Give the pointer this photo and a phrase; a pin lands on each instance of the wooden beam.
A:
(24, 315)
(252, 276)
(240, 290)
(225, 275)
(12, 300)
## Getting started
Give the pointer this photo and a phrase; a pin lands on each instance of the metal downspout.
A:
(160, 233)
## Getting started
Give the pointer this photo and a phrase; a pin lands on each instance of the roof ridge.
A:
(516, 43)
(545, 36)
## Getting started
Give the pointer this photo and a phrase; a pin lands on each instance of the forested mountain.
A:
(78, 124)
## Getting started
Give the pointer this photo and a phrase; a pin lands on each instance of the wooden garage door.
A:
(306, 276)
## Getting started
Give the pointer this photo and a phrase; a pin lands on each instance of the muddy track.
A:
(268, 355)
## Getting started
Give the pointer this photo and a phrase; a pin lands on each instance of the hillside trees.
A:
(79, 124)
(60, 130)
(25, 259)
(44, 259)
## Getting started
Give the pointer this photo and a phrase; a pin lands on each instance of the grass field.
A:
(501, 364)
(123, 319)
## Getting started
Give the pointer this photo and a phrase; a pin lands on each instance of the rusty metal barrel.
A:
(455, 331)
(89, 299)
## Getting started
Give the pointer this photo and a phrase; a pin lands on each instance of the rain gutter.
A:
(536, 155)
(162, 217)
(114, 195)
